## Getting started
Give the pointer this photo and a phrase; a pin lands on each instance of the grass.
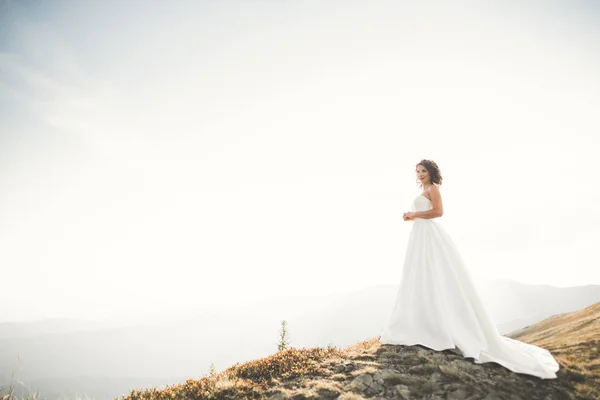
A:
(573, 339)
(250, 380)
(10, 395)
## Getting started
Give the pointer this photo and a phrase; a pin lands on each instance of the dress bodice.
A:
(421, 203)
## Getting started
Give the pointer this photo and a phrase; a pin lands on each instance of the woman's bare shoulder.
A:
(434, 188)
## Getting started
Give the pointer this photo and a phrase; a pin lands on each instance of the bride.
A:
(438, 306)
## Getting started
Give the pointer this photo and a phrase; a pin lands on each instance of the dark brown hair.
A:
(434, 172)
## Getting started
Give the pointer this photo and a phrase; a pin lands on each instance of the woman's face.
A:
(422, 174)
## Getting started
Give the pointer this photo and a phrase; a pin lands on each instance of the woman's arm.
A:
(433, 213)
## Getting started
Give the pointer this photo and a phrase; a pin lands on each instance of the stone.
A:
(493, 396)
(363, 380)
(328, 394)
(349, 367)
(476, 396)
(392, 378)
(375, 388)
(460, 394)
(339, 368)
(402, 391)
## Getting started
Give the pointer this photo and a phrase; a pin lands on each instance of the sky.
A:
(168, 157)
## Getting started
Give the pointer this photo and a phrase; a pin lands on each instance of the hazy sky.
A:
(170, 156)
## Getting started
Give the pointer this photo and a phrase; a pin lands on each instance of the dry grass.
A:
(315, 388)
(10, 394)
(351, 396)
(252, 380)
(369, 369)
(574, 340)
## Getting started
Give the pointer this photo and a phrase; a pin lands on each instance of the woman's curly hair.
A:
(434, 172)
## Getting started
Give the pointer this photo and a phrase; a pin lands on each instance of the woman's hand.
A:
(409, 216)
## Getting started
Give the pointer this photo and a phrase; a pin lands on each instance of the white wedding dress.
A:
(438, 306)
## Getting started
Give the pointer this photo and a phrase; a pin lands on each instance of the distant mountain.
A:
(51, 326)
(344, 318)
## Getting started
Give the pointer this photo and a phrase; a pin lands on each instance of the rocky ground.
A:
(416, 372)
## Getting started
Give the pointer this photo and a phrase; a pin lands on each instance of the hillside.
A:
(372, 370)
(574, 340)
